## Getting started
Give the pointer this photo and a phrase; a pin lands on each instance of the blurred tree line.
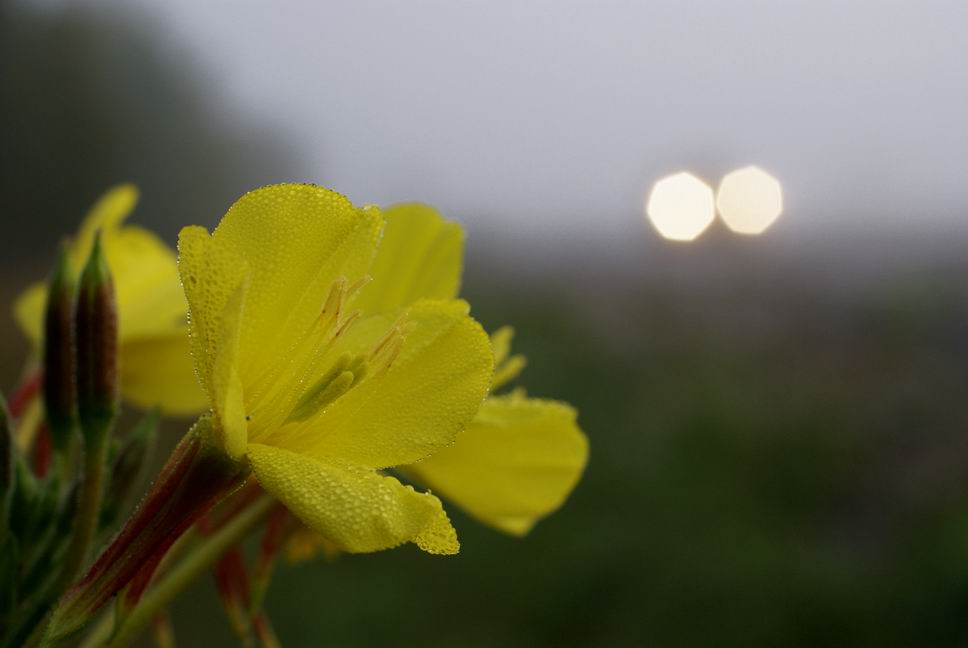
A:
(92, 98)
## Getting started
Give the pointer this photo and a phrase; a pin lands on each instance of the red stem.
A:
(195, 478)
(26, 392)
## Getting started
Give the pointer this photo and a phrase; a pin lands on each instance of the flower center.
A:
(349, 369)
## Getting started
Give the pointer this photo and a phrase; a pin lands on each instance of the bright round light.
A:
(681, 206)
(749, 200)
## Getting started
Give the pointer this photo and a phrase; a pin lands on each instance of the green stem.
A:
(88, 507)
(82, 532)
(196, 563)
(101, 631)
(109, 618)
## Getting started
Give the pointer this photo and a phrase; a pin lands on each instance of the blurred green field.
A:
(799, 482)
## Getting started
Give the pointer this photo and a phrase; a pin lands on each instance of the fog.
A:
(551, 119)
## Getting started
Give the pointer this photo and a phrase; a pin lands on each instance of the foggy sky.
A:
(557, 115)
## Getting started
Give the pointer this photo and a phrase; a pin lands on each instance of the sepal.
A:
(196, 477)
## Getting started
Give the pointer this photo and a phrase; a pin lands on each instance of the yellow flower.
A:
(520, 457)
(317, 395)
(516, 462)
(155, 366)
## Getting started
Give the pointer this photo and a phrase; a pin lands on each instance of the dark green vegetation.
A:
(89, 100)
(770, 466)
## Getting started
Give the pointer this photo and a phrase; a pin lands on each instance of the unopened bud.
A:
(196, 477)
(42, 452)
(97, 344)
(59, 383)
(45, 506)
(24, 494)
(127, 467)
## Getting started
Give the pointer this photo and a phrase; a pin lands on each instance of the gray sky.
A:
(557, 115)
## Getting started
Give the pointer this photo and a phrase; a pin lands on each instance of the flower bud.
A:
(42, 451)
(59, 382)
(97, 344)
(127, 467)
(196, 477)
(25, 495)
(45, 506)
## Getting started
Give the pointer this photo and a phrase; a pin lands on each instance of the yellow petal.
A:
(28, 310)
(420, 256)
(357, 509)
(507, 367)
(106, 216)
(226, 389)
(431, 391)
(149, 295)
(501, 343)
(210, 275)
(296, 241)
(155, 367)
(304, 544)
(515, 464)
(28, 425)
(157, 372)
(150, 298)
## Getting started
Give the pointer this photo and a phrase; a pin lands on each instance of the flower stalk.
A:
(127, 468)
(195, 564)
(96, 327)
(317, 380)
(196, 477)
(277, 530)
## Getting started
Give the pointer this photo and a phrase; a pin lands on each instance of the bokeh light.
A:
(749, 200)
(681, 207)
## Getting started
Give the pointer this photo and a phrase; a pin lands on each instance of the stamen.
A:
(346, 372)
(388, 348)
(388, 354)
(340, 378)
(331, 320)
(345, 325)
(357, 286)
(276, 395)
(332, 307)
(359, 368)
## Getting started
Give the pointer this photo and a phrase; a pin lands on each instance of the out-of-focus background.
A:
(778, 423)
